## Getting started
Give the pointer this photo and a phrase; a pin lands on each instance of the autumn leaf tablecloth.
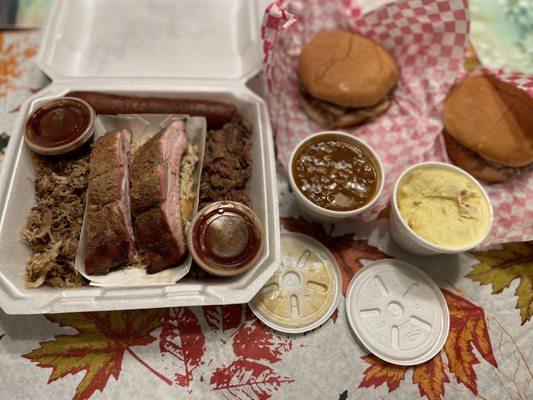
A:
(226, 353)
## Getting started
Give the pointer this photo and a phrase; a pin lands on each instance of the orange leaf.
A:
(430, 378)
(347, 251)
(381, 372)
(468, 329)
(98, 348)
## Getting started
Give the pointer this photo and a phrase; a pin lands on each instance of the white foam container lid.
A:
(306, 289)
(166, 48)
(397, 312)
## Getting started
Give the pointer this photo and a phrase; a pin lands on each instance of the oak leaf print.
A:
(223, 318)
(347, 251)
(468, 330)
(255, 341)
(97, 348)
(182, 338)
(500, 267)
(246, 379)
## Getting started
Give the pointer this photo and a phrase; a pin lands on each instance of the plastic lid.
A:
(304, 291)
(397, 312)
(153, 39)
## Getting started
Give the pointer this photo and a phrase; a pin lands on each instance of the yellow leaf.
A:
(500, 267)
(97, 348)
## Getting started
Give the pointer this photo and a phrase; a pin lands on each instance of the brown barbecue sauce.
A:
(226, 238)
(335, 175)
(57, 123)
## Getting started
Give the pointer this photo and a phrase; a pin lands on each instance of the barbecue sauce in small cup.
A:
(226, 238)
(335, 174)
(59, 126)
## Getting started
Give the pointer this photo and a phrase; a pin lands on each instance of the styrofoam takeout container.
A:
(321, 214)
(188, 49)
(408, 239)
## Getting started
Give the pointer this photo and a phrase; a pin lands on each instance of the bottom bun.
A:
(330, 116)
(474, 164)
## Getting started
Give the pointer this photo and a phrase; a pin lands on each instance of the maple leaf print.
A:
(182, 337)
(500, 267)
(245, 379)
(381, 372)
(223, 318)
(468, 329)
(347, 251)
(97, 348)
(255, 341)
(430, 378)
(14, 60)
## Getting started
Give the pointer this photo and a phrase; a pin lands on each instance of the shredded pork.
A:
(53, 226)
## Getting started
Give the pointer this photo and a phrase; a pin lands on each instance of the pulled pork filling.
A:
(53, 226)
(334, 116)
(227, 165)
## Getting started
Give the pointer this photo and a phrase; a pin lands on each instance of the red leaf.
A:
(381, 372)
(182, 338)
(335, 315)
(467, 327)
(430, 377)
(254, 340)
(244, 379)
(347, 251)
(223, 318)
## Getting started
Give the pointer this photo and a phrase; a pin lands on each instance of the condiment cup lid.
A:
(423, 242)
(345, 137)
(304, 291)
(220, 235)
(397, 312)
(66, 147)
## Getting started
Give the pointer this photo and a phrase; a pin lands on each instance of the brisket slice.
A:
(110, 240)
(155, 198)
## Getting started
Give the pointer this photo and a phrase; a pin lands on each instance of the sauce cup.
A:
(321, 214)
(408, 239)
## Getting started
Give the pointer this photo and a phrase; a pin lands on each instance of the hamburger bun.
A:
(474, 164)
(347, 69)
(493, 119)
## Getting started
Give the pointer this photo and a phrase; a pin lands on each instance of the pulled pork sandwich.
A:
(345, 79)
(488, 128)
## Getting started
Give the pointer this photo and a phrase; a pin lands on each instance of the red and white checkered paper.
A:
(427, 38)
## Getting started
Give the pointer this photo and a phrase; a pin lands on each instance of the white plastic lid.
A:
(397, 312)
(305, 290)
(153, 39)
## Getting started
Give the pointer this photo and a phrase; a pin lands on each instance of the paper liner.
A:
(428, 40)
(143, 127)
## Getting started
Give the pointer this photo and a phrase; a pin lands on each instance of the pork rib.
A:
(110, 241)
(155, 200)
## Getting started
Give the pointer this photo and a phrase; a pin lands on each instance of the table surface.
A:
(225, 352)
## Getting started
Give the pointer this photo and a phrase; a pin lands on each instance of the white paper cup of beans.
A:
(335, 176)
(415, 243)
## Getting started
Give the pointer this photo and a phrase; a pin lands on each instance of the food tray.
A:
(76, 56)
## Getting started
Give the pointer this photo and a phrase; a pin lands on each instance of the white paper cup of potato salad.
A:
(439, 208)
(335, 176)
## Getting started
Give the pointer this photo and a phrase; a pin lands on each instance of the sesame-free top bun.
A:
(347, 69)
(493, 119)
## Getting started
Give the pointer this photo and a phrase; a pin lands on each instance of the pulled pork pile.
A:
(227, 165)
(53, 226)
